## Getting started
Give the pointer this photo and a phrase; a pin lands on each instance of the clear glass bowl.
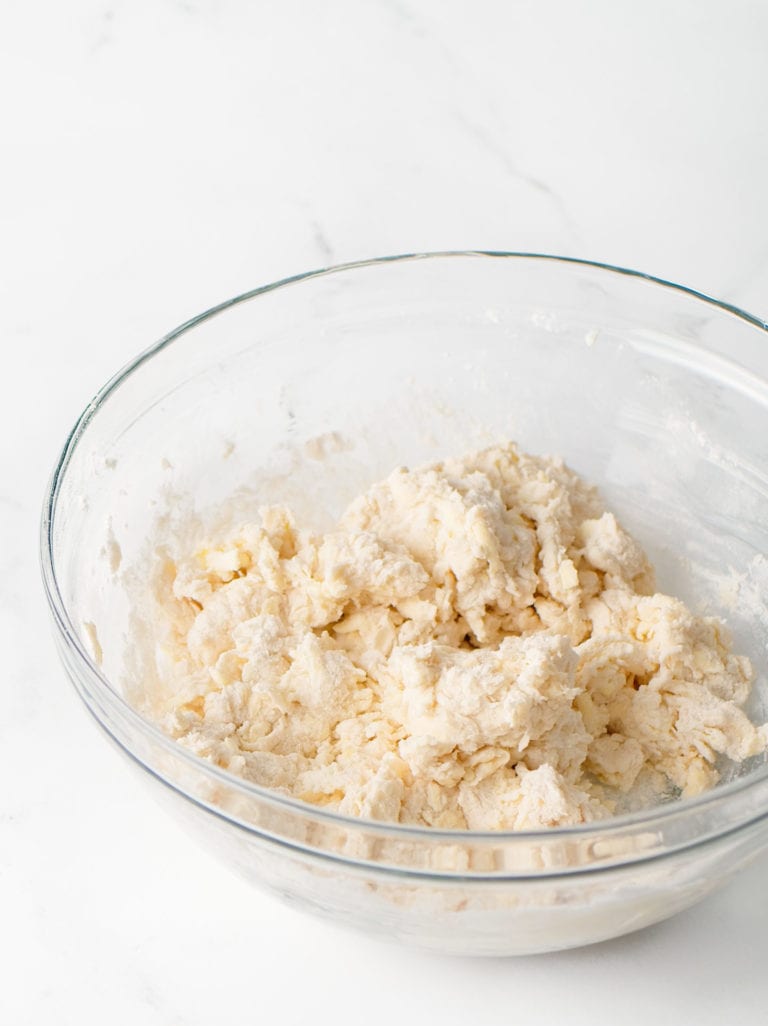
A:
(306, 391)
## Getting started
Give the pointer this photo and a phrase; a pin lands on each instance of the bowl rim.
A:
(69, 635)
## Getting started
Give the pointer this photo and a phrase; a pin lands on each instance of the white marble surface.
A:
(159, 156)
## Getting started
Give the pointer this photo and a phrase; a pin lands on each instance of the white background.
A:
(157, 157)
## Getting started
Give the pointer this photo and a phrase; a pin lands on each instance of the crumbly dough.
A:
(477, 645)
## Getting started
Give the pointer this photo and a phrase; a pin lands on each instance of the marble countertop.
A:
(161, 155)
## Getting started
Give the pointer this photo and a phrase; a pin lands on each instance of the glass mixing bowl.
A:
(306, 391)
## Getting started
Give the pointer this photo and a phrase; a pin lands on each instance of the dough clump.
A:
(477, 645)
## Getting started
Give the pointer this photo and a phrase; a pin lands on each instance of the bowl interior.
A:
(305, 394)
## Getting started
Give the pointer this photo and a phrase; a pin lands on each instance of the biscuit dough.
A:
(477, 645)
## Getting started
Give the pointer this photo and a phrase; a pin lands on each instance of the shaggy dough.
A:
(477, 645)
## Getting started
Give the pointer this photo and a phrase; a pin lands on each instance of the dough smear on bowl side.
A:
(477, 645)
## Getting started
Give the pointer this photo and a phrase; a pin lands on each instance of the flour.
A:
(477, 644)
